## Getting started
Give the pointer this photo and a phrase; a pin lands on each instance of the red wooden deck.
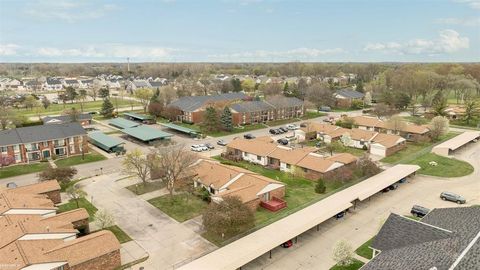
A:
(274, 204)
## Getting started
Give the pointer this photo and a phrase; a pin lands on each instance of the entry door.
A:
(266, 197)
(46, 154)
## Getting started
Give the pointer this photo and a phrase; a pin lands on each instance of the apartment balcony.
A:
(274, 204)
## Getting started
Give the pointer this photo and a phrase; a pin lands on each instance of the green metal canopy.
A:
(137, 116)
(103, 141)
(180, 128)
(123, 123)
(145, 133)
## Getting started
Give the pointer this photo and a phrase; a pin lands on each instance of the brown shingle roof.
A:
(289, 155)
(259, 146)
(368, 121)
(387, 140)
(316, 163)
(319, 127)
(345, 158)
(38, 188)
(10, 200)
(416, 129)
(360, 134)
(85, 248)
(246, 185)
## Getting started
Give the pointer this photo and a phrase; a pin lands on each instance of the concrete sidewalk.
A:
(131, 251)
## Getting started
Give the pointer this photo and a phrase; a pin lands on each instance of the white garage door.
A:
(378, 150)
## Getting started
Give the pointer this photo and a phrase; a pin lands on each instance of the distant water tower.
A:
(128, 64)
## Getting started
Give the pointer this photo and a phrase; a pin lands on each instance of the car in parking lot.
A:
(419, 211)
(221, 142)
(292, 127)
(284, 129)
(282, 141)
(449, 196)
(272, 131)
(209, 146)
(248, 136)
(203, 147)
(196, 148)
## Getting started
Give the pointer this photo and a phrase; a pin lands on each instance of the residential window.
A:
(72, 149)
(16, 148)
(288, 166)
(18, 157)
(60, 151)
(259, 158)
(3, 149)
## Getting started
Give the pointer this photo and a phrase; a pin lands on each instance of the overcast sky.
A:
(239, 30)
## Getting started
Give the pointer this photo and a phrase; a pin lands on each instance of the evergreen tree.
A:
(237, 85)
(210, 120)
(156, 96)
(107, 108)
(360, 87)
(226, 119)
(320, 186)
(286, 90)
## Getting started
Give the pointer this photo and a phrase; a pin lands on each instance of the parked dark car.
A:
(340, 215)
(209, 146)
(221, 142)
(385, 190)
(282, 141)
(419, 211)
(248, 136)
(449, 196)
(272, 131)
(284, 129)
(303, 125)
(393, 186)
(403, 180)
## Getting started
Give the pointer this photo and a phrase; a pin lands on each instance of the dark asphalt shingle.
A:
(251, 106)
(349, 93)
(190, 104)
(40, 133)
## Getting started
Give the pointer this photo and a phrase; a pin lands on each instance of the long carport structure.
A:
(105, 142)
(248, 248)
(182, 129)
(123, 123)
(146, 134)
(447, 147)
(146, 119)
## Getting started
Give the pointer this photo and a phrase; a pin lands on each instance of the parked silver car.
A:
(449, 196)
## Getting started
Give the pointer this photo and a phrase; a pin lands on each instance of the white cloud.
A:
(449, 41)
(471, 3)
(107, 52)
(8, 49)
(67, 10)
(298, 53)
(460, 21)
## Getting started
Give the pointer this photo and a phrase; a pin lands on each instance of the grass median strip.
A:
(445, 167)
(122, 236)
(364, 249)
(356, 264)
(92, 156)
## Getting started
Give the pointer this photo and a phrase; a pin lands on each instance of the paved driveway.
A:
(167, 241)
(314, 249)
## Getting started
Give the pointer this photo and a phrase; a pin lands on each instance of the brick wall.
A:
(108, 261)
(253, 205)
(279, 193)
(395, 149)
(82, 225)
(197, 117)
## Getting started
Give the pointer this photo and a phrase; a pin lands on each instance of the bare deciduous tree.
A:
(174, 164)
(135, 162)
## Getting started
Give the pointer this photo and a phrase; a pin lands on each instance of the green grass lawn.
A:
(122, 236)
(310, 115)
(299, 191)
(82, 203)
(87, 107)
(447, 167)
(142, 188)
(364, 249)
(282, 122)
(415, 148)
(356, 264)
(15, 170)
(183, 207)
(92, 156)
